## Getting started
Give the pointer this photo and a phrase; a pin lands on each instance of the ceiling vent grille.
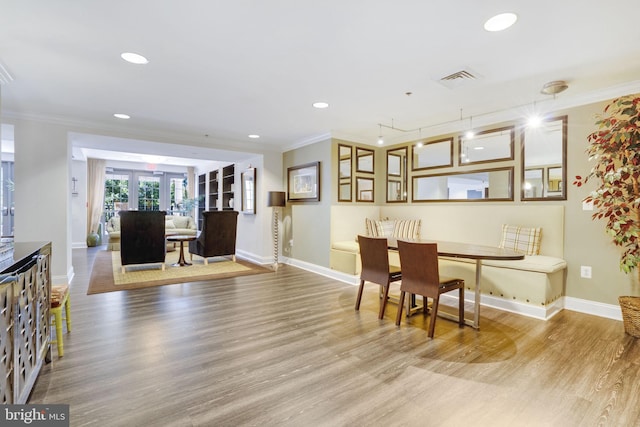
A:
(465, 75)
(458, 78)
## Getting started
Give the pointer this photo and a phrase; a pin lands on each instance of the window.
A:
(159, 191)
(116, 194)
(148, 193)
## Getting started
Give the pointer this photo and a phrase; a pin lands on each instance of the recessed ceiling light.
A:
(134, 58)
(320, 104)
(500, 22)
(122, 116)
(253, 136)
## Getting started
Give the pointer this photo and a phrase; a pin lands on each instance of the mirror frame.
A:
(401, 177)
(562, 194)
(509, 169)
(365, 152)
(425, 147)
(512, 138)
(358, 190)
(344, 181)
(246, 176)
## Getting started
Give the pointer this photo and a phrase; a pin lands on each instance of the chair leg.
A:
(67, 311)
(461, 308)
(400, 306)
(359, 294)
(434, 314)
(383, 302)
(58, 319)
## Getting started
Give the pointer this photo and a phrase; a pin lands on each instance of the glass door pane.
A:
(149, 193)
(116, 194)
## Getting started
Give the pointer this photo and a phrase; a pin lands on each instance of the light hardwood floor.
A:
(288, 349)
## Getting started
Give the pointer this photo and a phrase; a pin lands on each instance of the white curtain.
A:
(191, 186)
(95, 193)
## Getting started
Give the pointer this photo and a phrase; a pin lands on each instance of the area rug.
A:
(107, 276)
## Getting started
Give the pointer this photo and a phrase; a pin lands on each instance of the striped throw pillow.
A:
(407, 229)
(385, 228)
(524, 240)
(370, 227)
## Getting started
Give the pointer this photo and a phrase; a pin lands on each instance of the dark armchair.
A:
(218, 235)
(142, 237)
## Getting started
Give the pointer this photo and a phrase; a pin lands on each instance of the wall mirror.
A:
(433, 154)
(364, 160)
(490, 184)
(488, 146)
(248, 180)
(544, 148)
(344, 172)
(364, 189)
(397, 175)
(533, 183)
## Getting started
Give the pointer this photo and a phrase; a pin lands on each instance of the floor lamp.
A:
(276, 200)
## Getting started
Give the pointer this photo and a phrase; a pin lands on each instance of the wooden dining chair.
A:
(420, 275)
(374, 254)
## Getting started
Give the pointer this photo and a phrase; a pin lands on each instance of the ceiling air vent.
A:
(458, 78)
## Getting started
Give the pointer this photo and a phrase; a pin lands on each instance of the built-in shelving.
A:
(202, 190)
(228, 184)
(213, 190)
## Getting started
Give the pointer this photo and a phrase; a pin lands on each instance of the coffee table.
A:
(181, 238)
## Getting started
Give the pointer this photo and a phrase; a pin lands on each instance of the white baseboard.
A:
(251, 257)
(610, 311)
(594, 308)
(323, 271)
(63, 280)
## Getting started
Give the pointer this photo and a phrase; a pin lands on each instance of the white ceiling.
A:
(227, 69)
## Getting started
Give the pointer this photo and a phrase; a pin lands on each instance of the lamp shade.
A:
(276, 199)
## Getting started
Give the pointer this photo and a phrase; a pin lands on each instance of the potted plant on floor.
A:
(615, 149)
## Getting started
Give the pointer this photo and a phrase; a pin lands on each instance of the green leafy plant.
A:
(615, 149)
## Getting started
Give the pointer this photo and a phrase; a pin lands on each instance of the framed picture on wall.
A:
(303, 183)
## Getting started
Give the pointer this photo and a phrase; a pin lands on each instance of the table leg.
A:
(181, 261)
(476, 303)
(475, 323)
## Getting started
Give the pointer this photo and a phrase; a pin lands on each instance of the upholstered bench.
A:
(530, 286)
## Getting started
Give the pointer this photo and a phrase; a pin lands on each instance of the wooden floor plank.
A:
(288, 349)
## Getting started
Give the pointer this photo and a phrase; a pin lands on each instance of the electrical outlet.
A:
(585, 271)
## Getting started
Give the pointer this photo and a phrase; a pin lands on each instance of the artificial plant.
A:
(615, 149)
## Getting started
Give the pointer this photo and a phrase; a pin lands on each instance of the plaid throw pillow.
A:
(521, 239)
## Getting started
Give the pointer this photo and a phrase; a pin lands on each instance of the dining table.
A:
(468, 251)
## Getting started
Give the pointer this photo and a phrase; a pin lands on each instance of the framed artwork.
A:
(303, 183)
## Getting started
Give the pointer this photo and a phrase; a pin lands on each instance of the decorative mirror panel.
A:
(433, 154)
(344, 173)
(397, 175)
(533, 186)
(364, 160)
(544, 148)
(490, 184)
(487, 146)
(364, 189)
(249, 191)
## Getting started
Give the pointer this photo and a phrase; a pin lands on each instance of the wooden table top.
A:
(464, 250)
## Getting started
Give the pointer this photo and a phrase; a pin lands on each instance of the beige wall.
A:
(585, 244)
(307, 224)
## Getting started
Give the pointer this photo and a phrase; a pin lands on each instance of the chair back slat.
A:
(419, 263)
(374, 254)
